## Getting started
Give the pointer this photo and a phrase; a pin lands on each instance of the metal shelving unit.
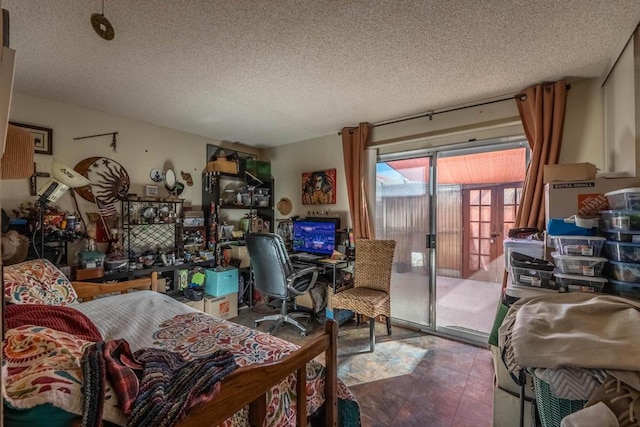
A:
(152, 225)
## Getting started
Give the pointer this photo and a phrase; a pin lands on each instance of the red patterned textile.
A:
(55, 317)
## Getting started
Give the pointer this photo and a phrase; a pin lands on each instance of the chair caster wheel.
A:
(255, 324)
(303, 334)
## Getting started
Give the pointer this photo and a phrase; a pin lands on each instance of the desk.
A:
(327, 264)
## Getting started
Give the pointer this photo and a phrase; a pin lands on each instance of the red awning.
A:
(482, 168)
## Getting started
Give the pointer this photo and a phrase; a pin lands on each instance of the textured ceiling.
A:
(267, 73)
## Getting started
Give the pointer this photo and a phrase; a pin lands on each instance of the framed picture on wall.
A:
(42, 137)
(151, 191)
(319, 188)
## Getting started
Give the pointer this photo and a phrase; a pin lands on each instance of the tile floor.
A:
(412, 378)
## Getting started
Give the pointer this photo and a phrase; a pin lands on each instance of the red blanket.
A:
(60, 318)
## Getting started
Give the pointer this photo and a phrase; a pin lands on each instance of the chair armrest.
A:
(301, 273)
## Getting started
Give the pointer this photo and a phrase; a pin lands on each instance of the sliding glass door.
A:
(449, 212)
(403, 213)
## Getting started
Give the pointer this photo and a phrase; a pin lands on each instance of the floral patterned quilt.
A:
(43, 365)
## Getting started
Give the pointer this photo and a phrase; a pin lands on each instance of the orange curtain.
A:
(542, 110)
(354, 143)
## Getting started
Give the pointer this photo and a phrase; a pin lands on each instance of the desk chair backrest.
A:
(270, 263)
(374, 260)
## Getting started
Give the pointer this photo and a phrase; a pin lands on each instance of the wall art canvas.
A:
(319, 188)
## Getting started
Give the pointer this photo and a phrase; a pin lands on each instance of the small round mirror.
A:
(170, 180)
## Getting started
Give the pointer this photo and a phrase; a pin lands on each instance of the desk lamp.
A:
(62, 178)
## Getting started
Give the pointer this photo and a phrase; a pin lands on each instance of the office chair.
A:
(370, 295)
(274, 276)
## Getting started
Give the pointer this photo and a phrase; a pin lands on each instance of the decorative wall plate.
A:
(156, 175)
(110, 180)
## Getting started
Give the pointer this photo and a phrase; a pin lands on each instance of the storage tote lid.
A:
(577, 257)
(623, 191)
(582, 278)
(579, 237)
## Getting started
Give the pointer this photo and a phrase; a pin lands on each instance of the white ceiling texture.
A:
(266, 73)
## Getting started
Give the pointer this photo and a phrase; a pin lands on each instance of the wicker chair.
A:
(370, 295)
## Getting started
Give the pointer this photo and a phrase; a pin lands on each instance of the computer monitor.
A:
(313, 236)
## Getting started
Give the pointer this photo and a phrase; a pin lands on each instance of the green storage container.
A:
(259, 168)
(552, 409)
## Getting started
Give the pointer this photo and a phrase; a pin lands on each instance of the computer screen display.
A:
(316, 237)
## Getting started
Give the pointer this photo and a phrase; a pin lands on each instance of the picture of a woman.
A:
(318, 188)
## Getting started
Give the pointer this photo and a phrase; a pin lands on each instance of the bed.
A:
(43, 364)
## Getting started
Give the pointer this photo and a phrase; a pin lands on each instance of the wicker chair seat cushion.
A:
(369, 302)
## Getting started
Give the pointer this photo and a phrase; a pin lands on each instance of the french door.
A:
(488, 212)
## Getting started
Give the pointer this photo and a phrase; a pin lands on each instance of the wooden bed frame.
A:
(248, 385)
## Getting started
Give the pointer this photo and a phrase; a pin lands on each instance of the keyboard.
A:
(306, 257)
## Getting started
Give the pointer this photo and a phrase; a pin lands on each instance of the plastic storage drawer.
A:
(622, 251)
(530, 271)
(573, 283)
(622, 235)
(579, 265)
(221, 281)
(578, 245)
(627, 198)
(624, 271)
(625, 289)
(621, 220)
(532, 248)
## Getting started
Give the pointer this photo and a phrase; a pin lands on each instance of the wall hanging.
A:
(110, 180)
(319, 188)
(41, 137)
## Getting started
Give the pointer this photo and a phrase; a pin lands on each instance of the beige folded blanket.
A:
(572, 330)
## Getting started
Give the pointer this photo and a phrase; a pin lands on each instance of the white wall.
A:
(582, 141)
(583, 137)
(620, 112)
(288, 162)
(140, 147)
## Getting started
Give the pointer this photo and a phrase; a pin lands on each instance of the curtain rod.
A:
(448, 110)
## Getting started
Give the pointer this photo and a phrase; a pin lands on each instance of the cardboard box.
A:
(224, 307)
(240, 252)
(504, 381)
(583, 198)
(162, 285)
(198, 305)
(569, 172)
(506, 409)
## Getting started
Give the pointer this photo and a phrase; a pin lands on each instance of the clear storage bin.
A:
(531, 271)
(578, 245)
(624, 271)
(579, 265)
(532, 248)
(625, 289)
(622, 235)
(622, 251)
(621, 220)
(573, 283)
(626, 198)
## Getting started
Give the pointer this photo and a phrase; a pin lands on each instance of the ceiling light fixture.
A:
(101, 25)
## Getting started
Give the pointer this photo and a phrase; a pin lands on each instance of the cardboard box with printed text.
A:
(582, 198)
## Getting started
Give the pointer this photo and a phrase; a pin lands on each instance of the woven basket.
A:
(552, 409)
